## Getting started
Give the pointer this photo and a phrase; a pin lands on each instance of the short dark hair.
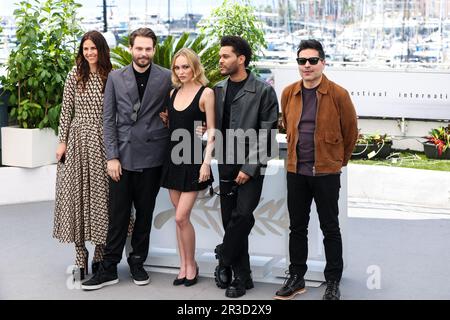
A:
(143, 32)
(311, 44)
(240, 47)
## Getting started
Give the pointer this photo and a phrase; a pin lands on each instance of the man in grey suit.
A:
(136, 142)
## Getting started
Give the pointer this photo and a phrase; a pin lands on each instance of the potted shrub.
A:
(47, 35)
(437, 145)
(370, 146)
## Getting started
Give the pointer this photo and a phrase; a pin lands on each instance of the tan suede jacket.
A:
(336, 126)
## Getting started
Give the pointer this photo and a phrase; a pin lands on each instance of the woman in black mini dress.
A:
(187, 169)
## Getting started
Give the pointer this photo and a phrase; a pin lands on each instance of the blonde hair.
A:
(193, 62)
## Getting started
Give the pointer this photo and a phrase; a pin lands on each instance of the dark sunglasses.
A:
(136, 108)
(312, 61)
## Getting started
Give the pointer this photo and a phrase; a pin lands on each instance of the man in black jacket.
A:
(246, 115)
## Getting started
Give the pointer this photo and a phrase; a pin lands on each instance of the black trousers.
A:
(301, 190)
(237, 217)
(141, 189)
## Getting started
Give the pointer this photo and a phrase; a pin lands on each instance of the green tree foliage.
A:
(235, 19)
(47, 35)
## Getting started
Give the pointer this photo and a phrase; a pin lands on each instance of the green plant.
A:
(47, 34)
(373, 139)
(2, 43)
(120, 56)
(372, 146)
(404, 159)
(237, 19)
(440, 137)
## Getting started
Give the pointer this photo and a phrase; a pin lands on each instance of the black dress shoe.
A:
(238, 287)
(191, 282)
(178, 281)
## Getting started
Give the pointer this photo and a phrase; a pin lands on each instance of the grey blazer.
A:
(142, 143)
(255, 106)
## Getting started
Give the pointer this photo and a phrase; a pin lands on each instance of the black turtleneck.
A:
(232, 89)
(141, 80)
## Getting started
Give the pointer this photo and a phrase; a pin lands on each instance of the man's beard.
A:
(140, 65)
(229, 71)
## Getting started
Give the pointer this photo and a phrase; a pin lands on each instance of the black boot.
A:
(238, 287)
(222, 273)
(332, 291)
(293, 285)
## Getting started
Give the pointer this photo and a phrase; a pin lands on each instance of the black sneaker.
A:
(238, 287)
(293, 285)
(103, 277)
(139, 275)
(332, 291)
(222, 273)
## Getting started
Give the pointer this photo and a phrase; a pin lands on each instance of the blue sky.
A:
(178, 7)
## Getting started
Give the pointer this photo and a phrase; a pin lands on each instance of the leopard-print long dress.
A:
(81, 204)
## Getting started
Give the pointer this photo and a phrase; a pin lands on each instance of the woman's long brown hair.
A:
(104, 66)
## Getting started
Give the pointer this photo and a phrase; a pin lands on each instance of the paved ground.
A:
(399, 255)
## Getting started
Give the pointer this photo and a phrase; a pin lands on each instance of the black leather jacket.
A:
(255, 106)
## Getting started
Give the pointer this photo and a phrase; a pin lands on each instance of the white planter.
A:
(28, 148)
(24, 185)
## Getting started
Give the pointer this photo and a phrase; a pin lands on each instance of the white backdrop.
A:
(384, 93)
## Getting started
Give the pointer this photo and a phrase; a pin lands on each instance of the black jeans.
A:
(301, 190)
(237, 217)
(140, 188)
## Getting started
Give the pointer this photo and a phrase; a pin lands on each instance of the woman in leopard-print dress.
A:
(81, 205)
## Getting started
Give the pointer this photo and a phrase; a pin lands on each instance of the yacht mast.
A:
(105, 16)
(146, 12)
(168, 16)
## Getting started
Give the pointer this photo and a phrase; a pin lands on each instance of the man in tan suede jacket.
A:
(321, 126)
